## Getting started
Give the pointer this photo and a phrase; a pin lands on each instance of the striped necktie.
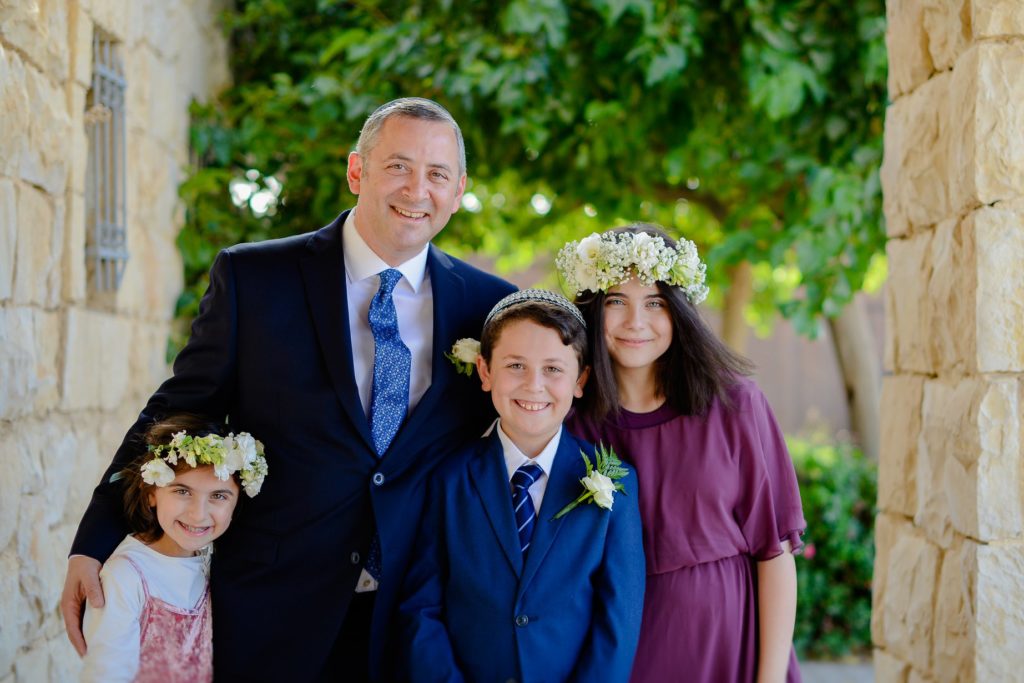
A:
(526, 516)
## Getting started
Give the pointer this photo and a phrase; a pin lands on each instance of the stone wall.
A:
(948, 603)
(73, 377)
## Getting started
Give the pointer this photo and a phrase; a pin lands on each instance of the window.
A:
(106, 249)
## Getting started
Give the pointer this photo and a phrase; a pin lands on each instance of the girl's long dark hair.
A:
(697, 368)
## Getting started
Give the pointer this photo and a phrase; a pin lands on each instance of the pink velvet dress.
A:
(176, 644)
(717, 494)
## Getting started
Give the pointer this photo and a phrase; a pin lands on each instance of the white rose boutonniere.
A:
(463, 355)
(601, 482)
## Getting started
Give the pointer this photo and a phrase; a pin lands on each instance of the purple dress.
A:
(717, 493)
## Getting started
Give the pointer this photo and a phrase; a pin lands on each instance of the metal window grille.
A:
(106, 244)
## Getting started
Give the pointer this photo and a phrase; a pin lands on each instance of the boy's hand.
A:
(83, 581)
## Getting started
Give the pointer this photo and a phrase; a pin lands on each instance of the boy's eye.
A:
(553, 369)
(514, 366)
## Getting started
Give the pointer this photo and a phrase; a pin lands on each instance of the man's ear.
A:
(581, 382)
(355, 172)
(484, 372)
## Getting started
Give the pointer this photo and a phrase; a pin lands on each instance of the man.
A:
(329, 347)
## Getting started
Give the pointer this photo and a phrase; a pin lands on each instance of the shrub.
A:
(838, 490)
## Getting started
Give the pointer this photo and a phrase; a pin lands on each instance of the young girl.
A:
(178, 497)
(718, 494)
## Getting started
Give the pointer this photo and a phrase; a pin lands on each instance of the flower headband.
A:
(464, 352)
(601, 261)
(228, 454)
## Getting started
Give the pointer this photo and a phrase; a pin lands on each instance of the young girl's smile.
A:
(532, 377)
(193, 510)
(637, 324)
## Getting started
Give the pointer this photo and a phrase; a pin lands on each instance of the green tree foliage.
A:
(752, 126)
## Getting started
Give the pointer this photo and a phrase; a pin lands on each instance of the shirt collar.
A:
(361, 262)
(515, 458)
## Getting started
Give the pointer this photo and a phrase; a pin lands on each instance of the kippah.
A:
(540, 295)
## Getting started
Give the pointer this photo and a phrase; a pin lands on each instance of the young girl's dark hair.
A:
(548, 315)
(696, 369)
(140, 514)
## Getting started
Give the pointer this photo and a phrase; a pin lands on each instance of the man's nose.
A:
(416, 187)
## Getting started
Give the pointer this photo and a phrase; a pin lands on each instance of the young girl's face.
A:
(532, 377)
(637, 325)
(193, 510)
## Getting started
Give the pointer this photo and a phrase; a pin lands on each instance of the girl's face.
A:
(637, 325)
(532, 377)
(193, 510)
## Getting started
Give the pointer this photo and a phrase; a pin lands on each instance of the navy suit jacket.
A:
(474, 609)
(271, 351)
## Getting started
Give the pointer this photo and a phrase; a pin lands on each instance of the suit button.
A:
(378, 478)
(355, 558)
(522, 620)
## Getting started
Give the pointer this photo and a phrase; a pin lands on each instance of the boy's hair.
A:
(141, 516)
(697, 368)
(542, 313)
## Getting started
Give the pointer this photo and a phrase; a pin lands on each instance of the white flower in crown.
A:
(157, 472)
(599, 262)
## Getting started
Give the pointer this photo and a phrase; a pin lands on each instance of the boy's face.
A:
(532, 377)
(193, 510)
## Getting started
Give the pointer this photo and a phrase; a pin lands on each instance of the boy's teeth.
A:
(532, 406)
(410, 214)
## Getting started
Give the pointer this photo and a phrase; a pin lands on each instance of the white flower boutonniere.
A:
(463, 355)
(601, 482)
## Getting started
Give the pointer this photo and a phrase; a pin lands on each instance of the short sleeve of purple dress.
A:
(717, 494)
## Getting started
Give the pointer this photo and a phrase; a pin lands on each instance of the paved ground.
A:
(829, 672)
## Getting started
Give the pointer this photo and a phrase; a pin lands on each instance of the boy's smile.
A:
(532, 377)
(192, 510)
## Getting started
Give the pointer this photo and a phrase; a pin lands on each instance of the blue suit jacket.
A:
(474, 609)
(271, 351)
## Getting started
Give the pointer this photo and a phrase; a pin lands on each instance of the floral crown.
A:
(464, 352)
(601, 261)
(229, 454)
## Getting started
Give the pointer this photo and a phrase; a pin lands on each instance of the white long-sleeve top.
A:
(112, 631)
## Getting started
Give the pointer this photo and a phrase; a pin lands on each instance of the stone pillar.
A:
(949, 571)
(72, 377)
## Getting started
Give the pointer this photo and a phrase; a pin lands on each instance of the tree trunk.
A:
(858, 362)
(734, 325)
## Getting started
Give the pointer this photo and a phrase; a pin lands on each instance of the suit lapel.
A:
(490, 479)
(323, 273)
(449, 292)
(563, 487)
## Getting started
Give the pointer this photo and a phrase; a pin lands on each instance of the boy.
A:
(499, 589)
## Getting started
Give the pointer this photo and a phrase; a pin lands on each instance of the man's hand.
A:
(83, 581)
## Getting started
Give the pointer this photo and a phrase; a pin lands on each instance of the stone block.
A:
(43, 153)
(888, 528)
(889, 669)
(961, 136)
(1000, 613)
(75, 289)
(997, 18)
(906, 41)
(33, 663)
(38, 254)
(86, 467)
(43, 560)
(954, 615)
(8, 237)
(81, 56)
(908, 619)
(952, 284)
(9, 604)
(40, 31)
(78, 164)
(47, 335)
(998, 120)
(902, 398)
(10, 488)
(149, 366)
(14, 110)
(20, 362)
(1000, 283)
(908, 310)
(111, 16)
(1000, 514)
(96, 360)
(947, 24)
(915, 166)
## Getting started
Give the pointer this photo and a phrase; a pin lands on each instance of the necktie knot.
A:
(388, 279)
(526, 475)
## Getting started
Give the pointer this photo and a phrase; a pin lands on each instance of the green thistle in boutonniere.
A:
(601, 482)
(463, 356)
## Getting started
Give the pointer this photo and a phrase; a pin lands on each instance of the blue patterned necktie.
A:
(392, 364)
(522, 503)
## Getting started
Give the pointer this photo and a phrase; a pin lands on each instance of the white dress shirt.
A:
(414, 303)
(515, 458)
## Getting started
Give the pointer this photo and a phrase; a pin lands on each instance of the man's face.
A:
(409, 185)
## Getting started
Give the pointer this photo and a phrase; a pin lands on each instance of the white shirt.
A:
(112, 632)
(414, 303)
(515, 458)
